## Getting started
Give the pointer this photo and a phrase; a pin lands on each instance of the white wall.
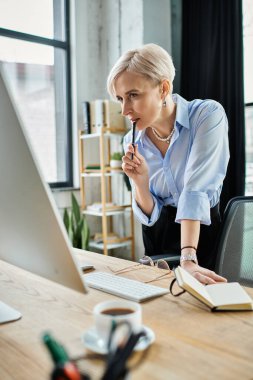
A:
(157, 23)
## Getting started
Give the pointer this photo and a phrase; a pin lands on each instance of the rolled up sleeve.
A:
(194, 205)
(143, 218)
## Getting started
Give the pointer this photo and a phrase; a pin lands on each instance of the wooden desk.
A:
(191, 342)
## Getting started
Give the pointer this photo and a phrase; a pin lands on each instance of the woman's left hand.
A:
(203, 275)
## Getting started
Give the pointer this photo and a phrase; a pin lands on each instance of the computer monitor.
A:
(32, 234)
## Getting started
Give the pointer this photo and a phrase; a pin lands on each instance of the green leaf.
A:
(70, 232)
(117, 156)
(66, 219)
(76, 226)
(73, 221)
(77, 241)
(75, 209)
(85, 235)
(79, 228)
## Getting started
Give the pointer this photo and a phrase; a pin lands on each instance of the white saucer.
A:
(91, 341)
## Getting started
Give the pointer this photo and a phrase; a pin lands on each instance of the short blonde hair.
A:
(150, 60)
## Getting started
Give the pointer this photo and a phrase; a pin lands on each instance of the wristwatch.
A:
(189, 257)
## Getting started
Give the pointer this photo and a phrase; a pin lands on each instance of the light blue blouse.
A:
(191, 174)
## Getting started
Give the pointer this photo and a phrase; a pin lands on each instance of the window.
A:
(35, 58)
(248, 91)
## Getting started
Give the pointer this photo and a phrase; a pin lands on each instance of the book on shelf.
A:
(96, 115)
(101, 113)
(98, 206)
(111, 237)
(93, 167)
(113, 117)
(86, 117)
(219, 296)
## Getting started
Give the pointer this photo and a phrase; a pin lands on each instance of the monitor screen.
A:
(32, 234)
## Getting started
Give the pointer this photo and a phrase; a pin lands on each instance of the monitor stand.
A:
(8, 314)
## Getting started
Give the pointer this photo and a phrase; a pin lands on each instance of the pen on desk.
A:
(133, 138)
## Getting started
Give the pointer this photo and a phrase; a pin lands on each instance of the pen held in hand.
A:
(133, 138)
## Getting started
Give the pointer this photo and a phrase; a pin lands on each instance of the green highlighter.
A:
(64, 367)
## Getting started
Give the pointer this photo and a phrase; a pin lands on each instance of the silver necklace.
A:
(165, 139)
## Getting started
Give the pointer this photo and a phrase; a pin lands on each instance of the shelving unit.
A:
(105, 173)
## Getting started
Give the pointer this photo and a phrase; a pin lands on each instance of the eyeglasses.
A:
(144, 263)
(160, 263)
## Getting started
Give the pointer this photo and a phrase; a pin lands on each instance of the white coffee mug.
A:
(108, 312)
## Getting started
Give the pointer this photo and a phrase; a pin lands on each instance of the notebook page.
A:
(231, 293)
(189, 283)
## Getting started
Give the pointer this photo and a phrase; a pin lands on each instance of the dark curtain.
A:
(212, 68)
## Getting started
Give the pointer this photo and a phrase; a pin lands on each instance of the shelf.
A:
(108, 212)
(100, 246)
(107, 132)
(102, 170)
(108, 171)
(99, 174)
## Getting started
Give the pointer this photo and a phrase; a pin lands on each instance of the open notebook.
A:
(222, 296)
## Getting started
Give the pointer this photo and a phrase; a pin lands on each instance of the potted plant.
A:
(76, 226)
(116, 160)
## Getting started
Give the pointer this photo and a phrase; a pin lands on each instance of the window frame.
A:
(65, 45)
(246, 105)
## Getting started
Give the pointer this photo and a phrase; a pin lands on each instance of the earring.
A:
(164, 103)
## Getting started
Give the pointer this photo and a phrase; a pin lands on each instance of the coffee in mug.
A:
(117, 311)
(108, 313)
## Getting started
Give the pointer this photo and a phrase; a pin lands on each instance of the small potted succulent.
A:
(116, 160)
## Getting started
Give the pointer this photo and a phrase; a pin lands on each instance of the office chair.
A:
(172, 259)
(235, 244)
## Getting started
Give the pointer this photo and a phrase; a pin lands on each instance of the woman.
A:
(178, 163)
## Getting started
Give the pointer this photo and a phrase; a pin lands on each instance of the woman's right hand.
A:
(136, 169)
(203, 275)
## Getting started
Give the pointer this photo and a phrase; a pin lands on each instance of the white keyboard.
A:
(123, 287)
